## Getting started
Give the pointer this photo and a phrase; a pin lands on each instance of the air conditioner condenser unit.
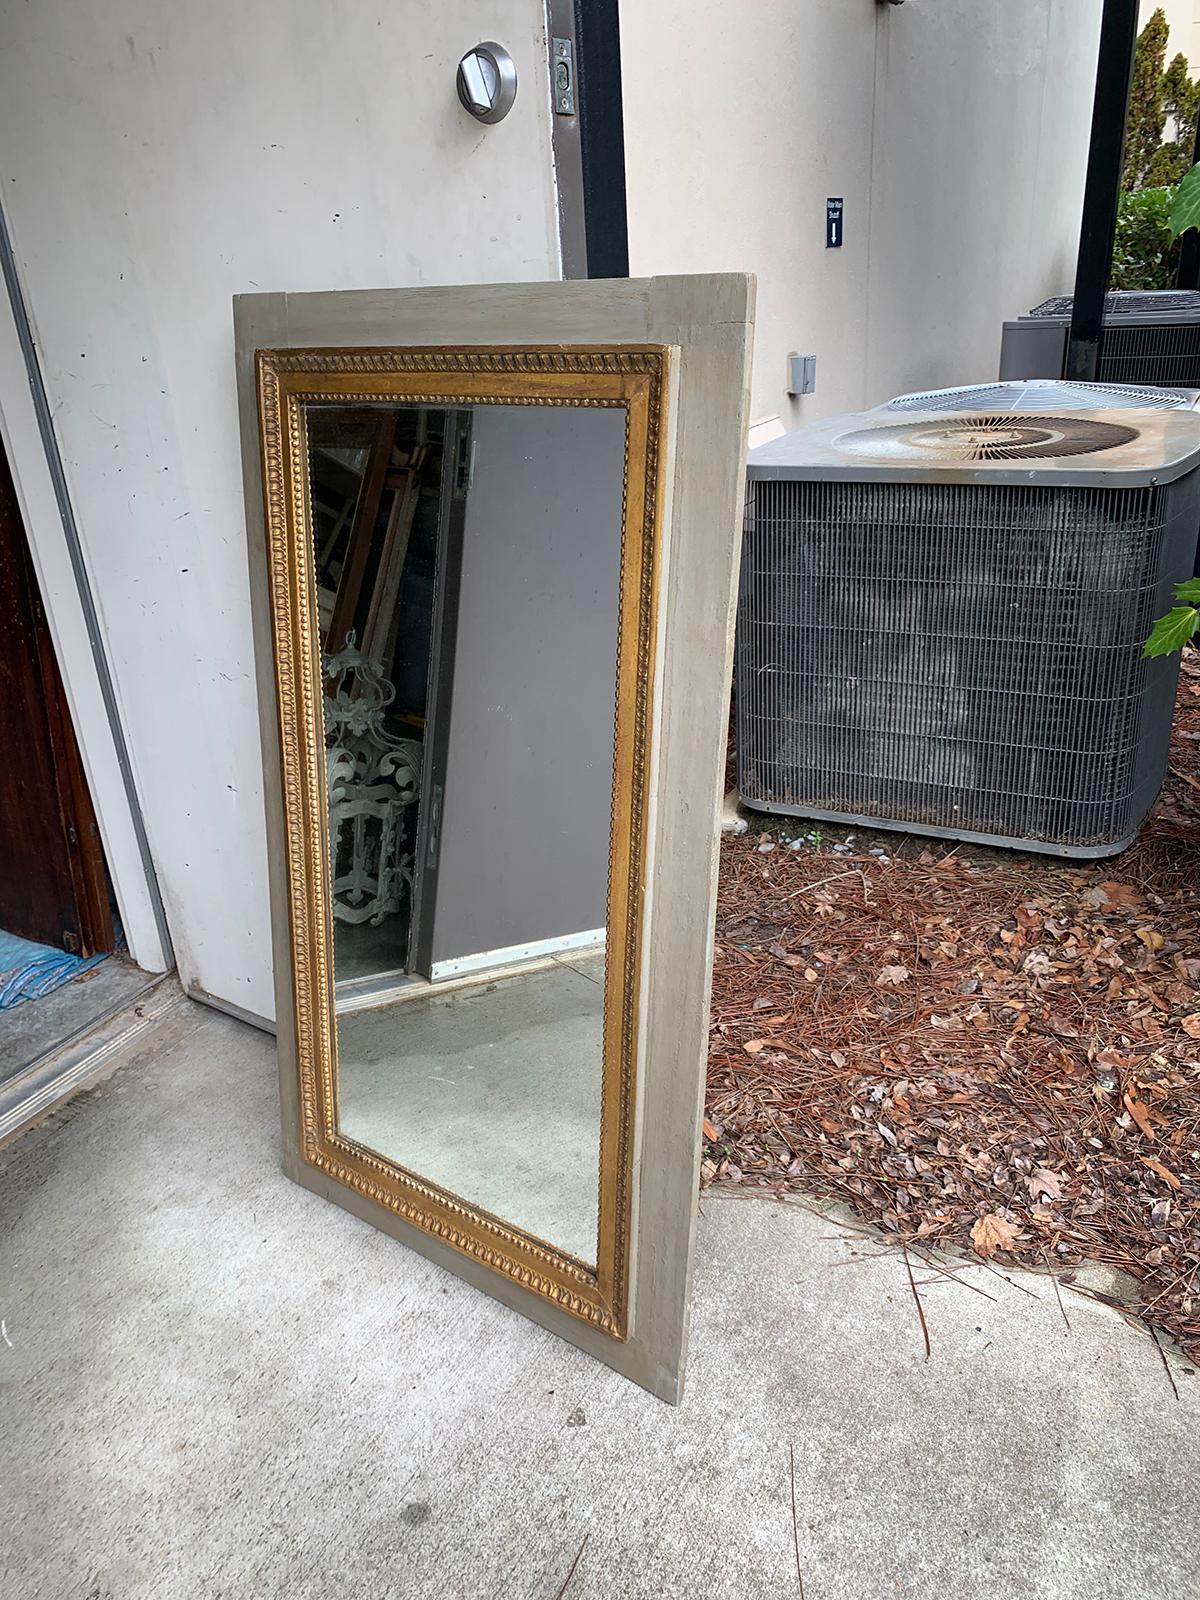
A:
(941, 617)
(1150, 337)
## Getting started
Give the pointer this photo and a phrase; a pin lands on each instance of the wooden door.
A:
(52, 880)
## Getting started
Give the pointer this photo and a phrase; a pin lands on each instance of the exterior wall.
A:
(983, 119)
(158, 158)
(955, 130)
(739, 121)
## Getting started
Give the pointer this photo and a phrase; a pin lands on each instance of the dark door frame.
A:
(1188, 275)
(1102, 188)
(443, 636)
(602, 137)
(589, 143)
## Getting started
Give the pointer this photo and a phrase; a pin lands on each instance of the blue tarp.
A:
(28, 971)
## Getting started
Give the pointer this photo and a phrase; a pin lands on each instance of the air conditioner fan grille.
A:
(1002, 437)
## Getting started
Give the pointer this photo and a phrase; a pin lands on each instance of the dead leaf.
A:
(992, 1233)
(892, 977)
(753, 1046)
(710, 1133)
(1060, 1026)
(1044, 1183)
(1191, 1025)
(1164, 1173)
(1151, 938)
(1140, 1113)
(1111, 894)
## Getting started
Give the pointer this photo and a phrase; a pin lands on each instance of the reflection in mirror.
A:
(467, 573)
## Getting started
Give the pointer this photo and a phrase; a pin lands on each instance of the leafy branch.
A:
(1185, 208)
(1172, 632)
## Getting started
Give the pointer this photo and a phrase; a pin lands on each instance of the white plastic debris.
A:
(732, 820)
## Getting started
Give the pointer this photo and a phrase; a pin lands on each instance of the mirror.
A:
(467, 567)
(493, 535)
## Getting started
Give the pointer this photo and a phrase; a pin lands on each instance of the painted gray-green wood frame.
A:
(707, 320)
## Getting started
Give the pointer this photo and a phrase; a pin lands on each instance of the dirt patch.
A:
(972, 1047)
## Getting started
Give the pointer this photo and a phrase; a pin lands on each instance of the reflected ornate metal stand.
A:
(373, 778)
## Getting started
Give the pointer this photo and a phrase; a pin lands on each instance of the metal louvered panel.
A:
(959, 659)
(1179, 303)
(1040, 394)
(1156, 353)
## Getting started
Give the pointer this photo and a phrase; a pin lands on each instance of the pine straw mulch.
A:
(971, 1048)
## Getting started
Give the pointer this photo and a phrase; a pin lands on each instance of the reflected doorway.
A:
(384, 481)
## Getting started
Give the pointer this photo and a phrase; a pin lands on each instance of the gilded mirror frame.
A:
(630, 377)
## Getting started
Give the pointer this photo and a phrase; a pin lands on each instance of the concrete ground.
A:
(216, 1385)
(491, 1090)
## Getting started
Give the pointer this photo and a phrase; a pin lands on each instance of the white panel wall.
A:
(955, 130)
(982, 124)
(156, 158)
(739, 121)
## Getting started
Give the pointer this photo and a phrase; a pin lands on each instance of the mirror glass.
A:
(467, 575)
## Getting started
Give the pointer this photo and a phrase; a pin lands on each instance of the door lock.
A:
(487, 82)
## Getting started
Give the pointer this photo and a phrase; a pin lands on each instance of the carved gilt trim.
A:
(631, 377)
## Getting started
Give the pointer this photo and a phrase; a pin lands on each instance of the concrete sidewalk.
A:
(212, 1384)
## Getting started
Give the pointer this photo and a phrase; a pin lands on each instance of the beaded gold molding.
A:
(630, 377)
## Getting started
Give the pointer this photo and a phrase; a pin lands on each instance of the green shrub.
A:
(1145, 256)
(1160, 92)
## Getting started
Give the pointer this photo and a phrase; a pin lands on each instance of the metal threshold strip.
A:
(85, 1057)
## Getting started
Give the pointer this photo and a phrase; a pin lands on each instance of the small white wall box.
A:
(802, 374)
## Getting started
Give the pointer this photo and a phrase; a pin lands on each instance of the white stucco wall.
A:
(982, 128)
(955, 130)
(156, 158)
